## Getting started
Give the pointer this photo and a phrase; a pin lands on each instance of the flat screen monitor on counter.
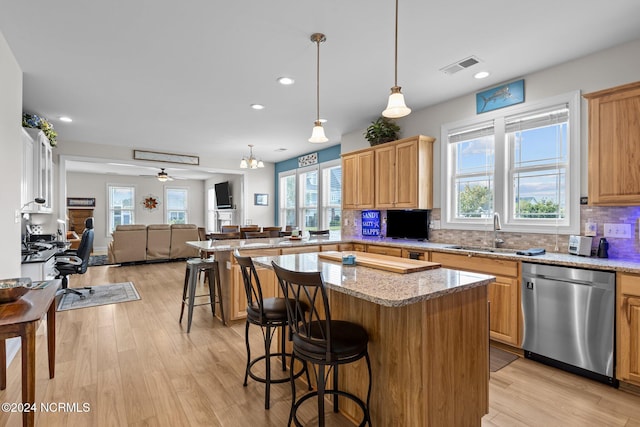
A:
(223, 195)
(408, 224)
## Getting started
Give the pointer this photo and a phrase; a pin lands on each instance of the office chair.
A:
(76, 261)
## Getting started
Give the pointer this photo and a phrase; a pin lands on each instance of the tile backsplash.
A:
(619, 248)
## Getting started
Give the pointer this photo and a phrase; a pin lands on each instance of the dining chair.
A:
(230, 229)
(318, 232)
(256, 234)
(273, 231)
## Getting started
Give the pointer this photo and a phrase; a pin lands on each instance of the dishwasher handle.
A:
(528, 278)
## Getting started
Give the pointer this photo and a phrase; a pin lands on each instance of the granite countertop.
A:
(627, 266)
(378, 286)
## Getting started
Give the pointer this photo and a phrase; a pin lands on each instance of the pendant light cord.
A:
(395, 80)
(318, 80)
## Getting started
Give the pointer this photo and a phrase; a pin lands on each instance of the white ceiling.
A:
(179, 76)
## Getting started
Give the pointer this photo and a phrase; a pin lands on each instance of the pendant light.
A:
(318, 136)
(396, 107)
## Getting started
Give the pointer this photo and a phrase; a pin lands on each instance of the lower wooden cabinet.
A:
(413, 254)
(238, 295)
(504, 293)
(628, 328)
(384, 250)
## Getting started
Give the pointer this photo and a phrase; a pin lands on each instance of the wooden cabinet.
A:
(357, 180)
(384, 250)
(300, 250)
(614, 138)
(37, 171)
(414, 254)
(628, 328)
(268, 281)
(77, 218)
(397, 174)
(504, 293)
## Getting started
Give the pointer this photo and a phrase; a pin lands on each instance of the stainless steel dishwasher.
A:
(569, 318)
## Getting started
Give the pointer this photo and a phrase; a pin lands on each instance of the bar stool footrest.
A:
(277, 380)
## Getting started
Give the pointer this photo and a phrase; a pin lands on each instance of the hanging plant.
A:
(382, 130)
(37, 122)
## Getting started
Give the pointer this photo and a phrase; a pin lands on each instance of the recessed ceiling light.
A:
(257, 106)
(65, 119)
(286, 81)
(481, 75)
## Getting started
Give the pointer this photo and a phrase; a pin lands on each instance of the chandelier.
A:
(251, 162)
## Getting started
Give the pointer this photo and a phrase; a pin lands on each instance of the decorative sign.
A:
(500, 97)
(308, 160)
(166, 157)
(150, 203)
(81, 202)
(370, 223)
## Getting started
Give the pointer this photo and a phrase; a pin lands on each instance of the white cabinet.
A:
(37, 171)
(38, 271)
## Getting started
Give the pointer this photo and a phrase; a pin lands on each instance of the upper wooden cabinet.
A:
(400, 174)
(614, 138)
(357, 180)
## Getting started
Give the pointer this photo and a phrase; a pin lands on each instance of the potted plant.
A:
(382, 130)
(36, 122)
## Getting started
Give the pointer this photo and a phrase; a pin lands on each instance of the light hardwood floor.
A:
(135, 365)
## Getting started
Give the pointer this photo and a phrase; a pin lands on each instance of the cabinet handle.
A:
(627, 302)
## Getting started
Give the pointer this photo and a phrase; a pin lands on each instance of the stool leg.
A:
(283, 348)
(321, 387)
(335, 386)
(267, 360)
(216, 273)
(193, 276)
(293, 389)
(246, 340)
(184, 291)
(212, 294)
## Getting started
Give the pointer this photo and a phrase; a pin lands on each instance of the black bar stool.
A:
(322, 341)
(269, 314)
(194, 267)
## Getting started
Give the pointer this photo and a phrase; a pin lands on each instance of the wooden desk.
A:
(20, 319)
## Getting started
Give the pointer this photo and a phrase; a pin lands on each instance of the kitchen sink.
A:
(483, 249)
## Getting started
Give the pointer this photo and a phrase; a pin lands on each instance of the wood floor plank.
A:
(135, 365)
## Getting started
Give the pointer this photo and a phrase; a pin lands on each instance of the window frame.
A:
(503, 191)
(108, 228)
(166, 209)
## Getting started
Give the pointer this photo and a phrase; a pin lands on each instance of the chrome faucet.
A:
(496, 226)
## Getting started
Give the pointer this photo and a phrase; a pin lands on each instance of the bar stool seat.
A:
(193, 268)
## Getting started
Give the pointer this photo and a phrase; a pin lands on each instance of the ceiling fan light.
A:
(396, 107)
(317, 135)
(162, 178)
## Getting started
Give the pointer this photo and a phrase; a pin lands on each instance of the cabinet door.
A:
(350, 181)
(628, 363)
(384, 250)
(268, 282)
(503, 322)
(385, 176)
(614, 135)
(300, 250)
(406, 182)
(28, 191)
(358, 181)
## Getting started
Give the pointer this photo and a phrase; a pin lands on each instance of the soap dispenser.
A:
(603, 248)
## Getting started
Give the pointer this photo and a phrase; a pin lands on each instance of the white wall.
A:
(95, 185)
(608, 68)
(10, 160)
(11, 166)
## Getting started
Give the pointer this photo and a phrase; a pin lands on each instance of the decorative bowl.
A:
(12, 289)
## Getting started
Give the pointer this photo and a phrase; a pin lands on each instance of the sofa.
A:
(154, 242)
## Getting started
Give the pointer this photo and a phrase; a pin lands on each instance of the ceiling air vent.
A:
(460, 65)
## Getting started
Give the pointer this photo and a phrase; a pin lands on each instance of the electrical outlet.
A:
(590, 229)
(435, 224)
(617, 230)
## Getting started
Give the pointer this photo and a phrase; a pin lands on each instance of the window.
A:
(176, 206)
(121, 206)
(523, 165)
(311, 198)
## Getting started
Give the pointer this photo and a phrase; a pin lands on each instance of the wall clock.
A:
(150, 203)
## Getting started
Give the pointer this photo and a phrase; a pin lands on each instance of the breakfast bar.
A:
(428, 339)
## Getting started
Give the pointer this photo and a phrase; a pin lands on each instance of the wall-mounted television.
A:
(408, 224)
(223, 195)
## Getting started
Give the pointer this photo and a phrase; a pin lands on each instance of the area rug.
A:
(96, 260)
(110, 293)
(498, 359)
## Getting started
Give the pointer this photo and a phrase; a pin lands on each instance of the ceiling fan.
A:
(163, 176)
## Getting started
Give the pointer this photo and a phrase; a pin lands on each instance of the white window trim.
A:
(572, 99)
(292, 172)
(108, 204)
(166, 204)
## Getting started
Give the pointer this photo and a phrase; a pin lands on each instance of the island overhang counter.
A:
(428, 340)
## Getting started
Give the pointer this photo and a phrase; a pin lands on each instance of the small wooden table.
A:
(20, 319)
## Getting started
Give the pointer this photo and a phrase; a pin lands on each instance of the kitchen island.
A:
(428, 340)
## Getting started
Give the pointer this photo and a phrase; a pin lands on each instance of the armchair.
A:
(76, 261)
